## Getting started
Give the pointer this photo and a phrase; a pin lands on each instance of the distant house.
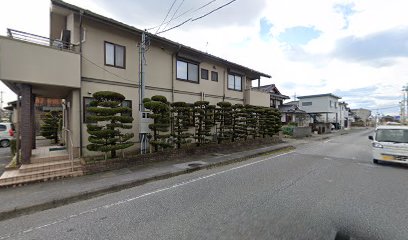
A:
(344, 119)
(292, 114)
(323, 108)
(42, 105)
(276, 97)
(362, 114)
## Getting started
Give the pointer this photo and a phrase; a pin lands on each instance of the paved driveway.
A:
(5, 158)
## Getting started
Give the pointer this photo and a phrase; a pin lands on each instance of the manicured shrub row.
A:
(178, 123)
(175, 124)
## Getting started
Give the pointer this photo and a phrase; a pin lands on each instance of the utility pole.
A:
(1, 99)
(404, 104)
(143, 116)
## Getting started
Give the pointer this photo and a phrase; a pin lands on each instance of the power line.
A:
(184, 13)
(195, 19)
(114, 74)
(174, 14)
(171, 7)
(384, 108)
(186, 21)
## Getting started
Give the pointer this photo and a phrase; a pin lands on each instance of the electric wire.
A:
(114, 74)
(195, 19)
(222, 6)
(186, 21)
(171, 7)
(184, 13)
(174, 14)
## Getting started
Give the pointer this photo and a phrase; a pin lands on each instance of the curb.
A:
(116, 188)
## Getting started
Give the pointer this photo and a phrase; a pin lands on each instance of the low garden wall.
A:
(301, 132)
(96, 164)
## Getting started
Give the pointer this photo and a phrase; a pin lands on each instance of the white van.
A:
(390, 144)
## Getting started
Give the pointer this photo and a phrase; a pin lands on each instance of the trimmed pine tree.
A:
(224, 118)
(204, 121)
(110, 117)
(51, 126)
(160, 113)
(181, 121)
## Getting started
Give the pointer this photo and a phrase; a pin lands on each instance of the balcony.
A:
(257, 98)
(39, 61)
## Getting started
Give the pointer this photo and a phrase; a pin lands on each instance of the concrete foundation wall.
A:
(300, 132)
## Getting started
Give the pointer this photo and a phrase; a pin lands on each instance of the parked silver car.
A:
(6, 134)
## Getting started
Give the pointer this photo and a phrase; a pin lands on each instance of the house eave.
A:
(250, 73)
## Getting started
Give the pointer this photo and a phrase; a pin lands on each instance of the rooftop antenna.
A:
(206, 47)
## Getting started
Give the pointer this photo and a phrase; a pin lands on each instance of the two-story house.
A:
(344, 119)
(87, 52)
(276, 96)
(323, 108)
(362, 114)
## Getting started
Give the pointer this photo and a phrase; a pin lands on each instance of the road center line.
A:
(65, 219)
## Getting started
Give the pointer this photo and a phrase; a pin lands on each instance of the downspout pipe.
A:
(81, 13)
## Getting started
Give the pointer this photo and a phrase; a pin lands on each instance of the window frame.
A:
(306, 104)
(85, 106)
(114, 55)
(216, 74)
(192, 63)
(129, 106)
(235, 75)
(204, 70)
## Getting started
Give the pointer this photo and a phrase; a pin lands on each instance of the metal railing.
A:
(40, 40)
(70, 147)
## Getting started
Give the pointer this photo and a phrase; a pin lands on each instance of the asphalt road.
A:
(314, 192)
(5, 158)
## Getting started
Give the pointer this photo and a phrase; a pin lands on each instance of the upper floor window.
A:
(307, 103)
(204, 74)
(331, 103)
(115, 55)
(214, 76)
(187, 71)
(234, 82)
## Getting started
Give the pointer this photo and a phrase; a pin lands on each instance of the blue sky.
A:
(355, 48)
(298, 35)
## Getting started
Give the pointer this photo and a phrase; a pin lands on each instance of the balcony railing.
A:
(40, 40)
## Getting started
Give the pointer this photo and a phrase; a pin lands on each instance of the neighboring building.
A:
(5, 115)
(362, 114)
(292, 114)
(42, 105)
(323, 108)
(87, 52)
(343, 114)
(276, 97)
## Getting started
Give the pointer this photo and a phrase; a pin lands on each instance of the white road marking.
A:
(141, 196)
